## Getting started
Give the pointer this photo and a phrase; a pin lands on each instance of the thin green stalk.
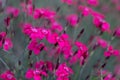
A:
(4, 63)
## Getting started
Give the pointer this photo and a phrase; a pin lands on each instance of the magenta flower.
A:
(109, 77)
(27, 29)
(12, 10)
(102, 43)
(35, 74)
(49, 14)
(117, 32)
(81, 54)
(97, 14)
(38, 12)
(65, 45)
(7, 44)
(2, 38)
(35, 46)
(63, 72)
(72, 19)
(45, 13)
(111, 52)
(7, 75)
(52, 38)
(93, 2)
(69, 2)
(105, 27)
(101, 24)
(28, 9)
(49, 66)
(56, 26)
(85, 10)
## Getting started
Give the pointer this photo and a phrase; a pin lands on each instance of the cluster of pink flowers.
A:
(110, 51)
(81, 54)
(40, 69)
(104, 44)
(51, 36)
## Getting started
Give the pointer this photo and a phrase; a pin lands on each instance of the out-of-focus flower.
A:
(7, 44)
(7, 75)
(117, 32)
(85, 10)
(93, 2)
(111, 52)
(56, 26)
(69, 2)
(101, 42)
(45, 13)
(101, 24)
(12, 10)
(2, 38)
(72, 19)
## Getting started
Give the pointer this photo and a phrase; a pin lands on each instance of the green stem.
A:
(4, 63)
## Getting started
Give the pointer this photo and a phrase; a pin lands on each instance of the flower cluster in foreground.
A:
(52, 52)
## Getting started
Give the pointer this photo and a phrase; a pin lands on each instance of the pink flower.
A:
(2, 38)
(49, 66)
(105, 27)
(36, 74)
(101, 24)
(111, 51)
(56, 26)
(96, 14)
(12, 10)
(45, 13)
(7, 75)
(97, 21)
(81, 46)
(107, 54)
(65, 45)
(27, 28)
(117, 32)
(49, 14)
(7, 44)
(38, 12)
(63, 72)
(102, 43)
(69, 2)
(27, 8)
(52, 38)
(109, 77)
(35, 46)
(85, 10)
(81, 54)
(72, 19)
(93, 2)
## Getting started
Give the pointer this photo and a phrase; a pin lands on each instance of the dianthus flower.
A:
(72, 19)
(69, 2)
(36, 47)
(36, 74)
(63, 72)
(13, 11)
(7, 75)
(93, 2)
